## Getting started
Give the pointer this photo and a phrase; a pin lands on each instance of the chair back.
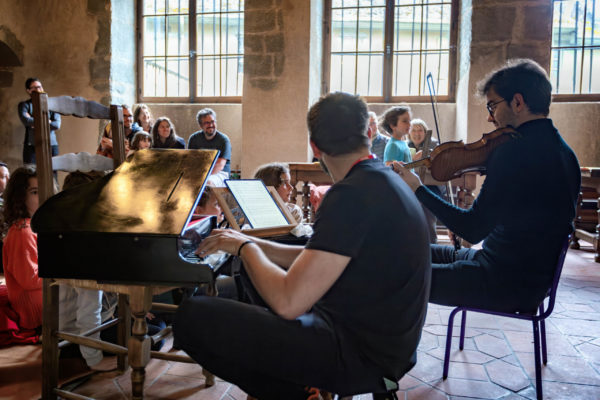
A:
(77, 107)
(557, 272)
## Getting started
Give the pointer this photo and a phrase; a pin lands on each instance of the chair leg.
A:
(463, 323)
(448, 343)
(543, 337)
(538, 366)
(49, 340)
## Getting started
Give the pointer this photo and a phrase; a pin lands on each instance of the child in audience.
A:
(19, 256)
(105, 147)
(143, 118)
(208, 205)
(396, 122)
(278, 175)
(141, 140)
(164, 136)
(80, 309)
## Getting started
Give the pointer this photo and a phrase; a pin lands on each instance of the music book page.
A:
(257, 204)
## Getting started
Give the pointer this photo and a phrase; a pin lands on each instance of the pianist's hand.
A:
(407, 175)
(226, 240)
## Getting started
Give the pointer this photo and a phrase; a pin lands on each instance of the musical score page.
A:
(257, 204)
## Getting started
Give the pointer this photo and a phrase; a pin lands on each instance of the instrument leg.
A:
(139, 343)
(209, 378)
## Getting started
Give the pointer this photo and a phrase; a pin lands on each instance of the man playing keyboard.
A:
(345, 311)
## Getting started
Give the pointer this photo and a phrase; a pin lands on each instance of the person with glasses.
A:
(278, 175)
(26, 116)
(105, 145)
(524, 210)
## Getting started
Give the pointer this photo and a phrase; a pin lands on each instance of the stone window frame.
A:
(570, 97)
(388, 57)
(192, 57)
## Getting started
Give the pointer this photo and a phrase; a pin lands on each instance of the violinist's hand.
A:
(226, 240)
(407, 175)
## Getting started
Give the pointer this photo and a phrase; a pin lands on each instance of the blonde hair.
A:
(419, 122)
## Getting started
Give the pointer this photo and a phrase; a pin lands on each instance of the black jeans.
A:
(270, 357)
(29, 153)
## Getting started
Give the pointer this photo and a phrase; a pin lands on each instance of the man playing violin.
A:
(525, 208)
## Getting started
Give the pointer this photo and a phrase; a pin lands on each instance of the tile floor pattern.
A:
(497, 362)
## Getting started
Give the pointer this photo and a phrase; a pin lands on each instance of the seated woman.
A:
(164, 136)
(141, 140)
(143, 118)
(278, 175)
(416, 142)
(19, 253)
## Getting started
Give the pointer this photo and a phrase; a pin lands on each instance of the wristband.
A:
(242, 245)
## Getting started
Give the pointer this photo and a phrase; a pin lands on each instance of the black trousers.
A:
(29, 153)
(464, 278)
(269, 357)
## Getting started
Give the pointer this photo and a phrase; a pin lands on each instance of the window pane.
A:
(178, 7)
(177, 34)
(178, 77)
(371, 29)
(592, 24)
(343, 72)
(232, 31)
(208, 81)
(154, 36)
(369, 71)
(407, 28)
(154, 77)
(591, 63)
(232, 69)
(344, 3)
(437, 27)
(436, 64)
(567, 26)
(208, 34)
(154, 7)
(565, 70)
(406, 74)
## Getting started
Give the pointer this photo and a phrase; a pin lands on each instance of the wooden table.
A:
(590, 178)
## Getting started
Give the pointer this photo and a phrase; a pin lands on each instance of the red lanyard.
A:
(369, 157)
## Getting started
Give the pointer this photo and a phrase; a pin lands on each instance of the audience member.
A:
(26, 116)
(396, 122)
(4, 176)
(210, 138)
(141, 140)
(164, 136)
(80, 309)
(278, 176)
(142, 117)
(378, 141)
(105, 147)
(19, 255)
(416, 135)
(208, 205)
(345, 312)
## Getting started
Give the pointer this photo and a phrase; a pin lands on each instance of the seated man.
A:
(525, 208)
(345, 311)
(211, 139)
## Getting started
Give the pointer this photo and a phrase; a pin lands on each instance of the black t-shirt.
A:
(380, 300)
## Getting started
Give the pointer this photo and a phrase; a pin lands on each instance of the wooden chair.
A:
(307, 173)
(537, 318)
(587, 220)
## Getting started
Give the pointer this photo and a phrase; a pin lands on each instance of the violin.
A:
(452, 159)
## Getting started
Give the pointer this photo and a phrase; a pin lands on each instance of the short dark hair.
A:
(203, 113)
(270, 173)
(29, 81)
(338, 123)
(14, 195)
(390, 117)
(522, 76)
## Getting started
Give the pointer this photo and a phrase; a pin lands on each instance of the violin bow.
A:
(449, 195)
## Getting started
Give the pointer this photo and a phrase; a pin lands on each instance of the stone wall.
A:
(63, 44)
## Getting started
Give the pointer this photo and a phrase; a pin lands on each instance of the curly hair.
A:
(390, 117)
(15, 193)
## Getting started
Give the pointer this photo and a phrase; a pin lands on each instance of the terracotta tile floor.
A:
(497, 362)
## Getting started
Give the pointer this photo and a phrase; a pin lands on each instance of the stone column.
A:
(501, 30)
(282, 69)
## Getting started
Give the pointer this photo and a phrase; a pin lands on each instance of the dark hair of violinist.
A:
(521, 76)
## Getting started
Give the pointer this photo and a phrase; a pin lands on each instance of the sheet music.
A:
(257, 204)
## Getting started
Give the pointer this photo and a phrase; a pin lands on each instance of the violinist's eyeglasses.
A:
(491, 107)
